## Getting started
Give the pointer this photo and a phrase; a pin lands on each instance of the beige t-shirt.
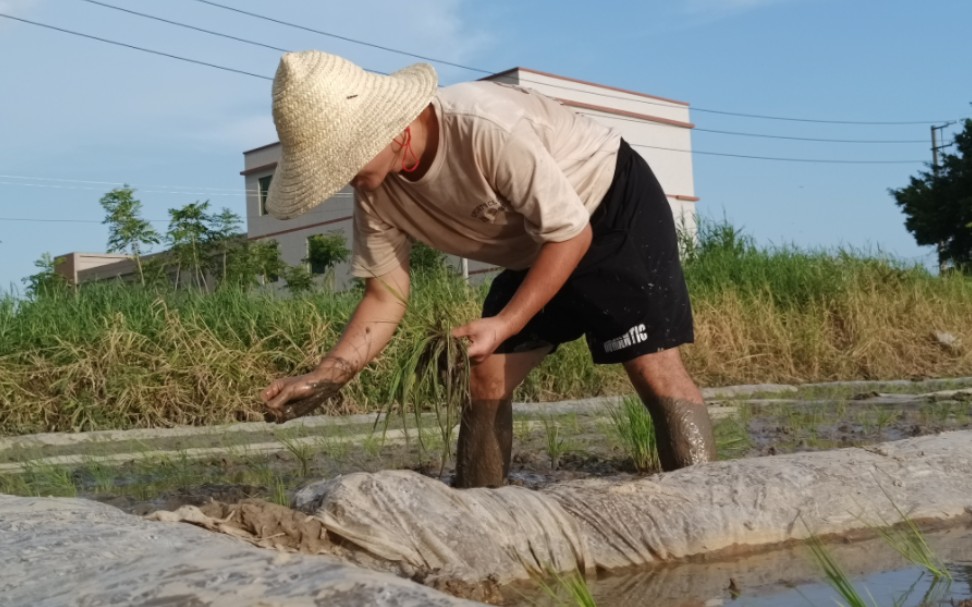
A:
(514, 169)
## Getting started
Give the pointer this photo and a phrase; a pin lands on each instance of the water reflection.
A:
(789, 577)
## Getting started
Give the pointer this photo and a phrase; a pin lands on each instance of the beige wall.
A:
(83, 267)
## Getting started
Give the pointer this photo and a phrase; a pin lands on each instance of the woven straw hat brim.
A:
(333, 118)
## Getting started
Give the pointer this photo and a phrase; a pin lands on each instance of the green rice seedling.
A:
(884, 417)
(935, 594)
(633, 426)
(434, 374)
(14, 484)
(908, 541)
(259, 472)
(571, 422)
(102, 474)
(565, 589)
(302, 450)
(835, 574)
(432, 440)
(372, 445)
(555, 442)
(46, 479)
(962, 411)
(278, 492)
(522, 430)
(335, 445)
(732, 437)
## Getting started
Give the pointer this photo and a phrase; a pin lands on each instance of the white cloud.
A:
(17, 8)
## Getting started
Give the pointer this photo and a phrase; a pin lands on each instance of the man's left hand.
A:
(485, 335)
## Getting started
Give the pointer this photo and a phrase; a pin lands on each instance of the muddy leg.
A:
(485, 444)
(682, 424)
(486, 428)
(683, 431)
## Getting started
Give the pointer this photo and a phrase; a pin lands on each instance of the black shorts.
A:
(628, 294)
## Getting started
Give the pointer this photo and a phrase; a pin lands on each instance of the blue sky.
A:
(79, 117)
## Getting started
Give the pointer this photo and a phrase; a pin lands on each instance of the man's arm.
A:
(367, 333)
(553, 266)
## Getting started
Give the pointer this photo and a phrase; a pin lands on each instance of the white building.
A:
(658, 129)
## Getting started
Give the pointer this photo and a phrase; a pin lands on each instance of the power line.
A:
(77, 187)
(444, 62)
(133, 47)
(122, 183)
(268, 78)
(489, 72)
(811, 160)
(39, 220)
(767, 136)
(187, 26)
(209, 190)
(344, 38)
(788, 137)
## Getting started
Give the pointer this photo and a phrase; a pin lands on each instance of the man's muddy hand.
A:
(291, 397)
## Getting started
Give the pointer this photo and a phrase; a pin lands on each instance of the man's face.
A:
(371, 176)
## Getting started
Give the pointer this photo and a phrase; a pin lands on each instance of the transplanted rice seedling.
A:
(835, 574)
(14, 484)
(908, 541)
(434, 374)
(633, 426)
(731, 436)
(565, 589)
(522, 430)
(46, 479)
(557, 444)
(302, 450)
(101, 473)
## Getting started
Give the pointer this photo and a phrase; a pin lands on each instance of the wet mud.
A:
(579, 448)
(684, 433)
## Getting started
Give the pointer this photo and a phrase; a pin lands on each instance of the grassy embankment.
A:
(117, 356)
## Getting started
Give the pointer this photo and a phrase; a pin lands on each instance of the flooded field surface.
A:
(144, 471)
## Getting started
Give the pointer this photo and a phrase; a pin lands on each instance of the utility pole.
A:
(935, 146)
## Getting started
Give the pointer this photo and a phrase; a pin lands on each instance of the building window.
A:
(264, 189)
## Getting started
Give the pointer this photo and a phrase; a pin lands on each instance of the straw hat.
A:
(332, 118)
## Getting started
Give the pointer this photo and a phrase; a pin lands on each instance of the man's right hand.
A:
(324, 381)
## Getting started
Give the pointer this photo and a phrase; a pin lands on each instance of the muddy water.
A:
(787, 577)
(762, 427)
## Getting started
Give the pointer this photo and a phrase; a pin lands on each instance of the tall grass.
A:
(117, 355)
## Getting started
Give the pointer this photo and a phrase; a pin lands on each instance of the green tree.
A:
(938, 204)
(189, 238)
(47, 282)
(298, 278)
(424, 258)
(127, 232)
(264, 261)
(229, 250)
(324, 251)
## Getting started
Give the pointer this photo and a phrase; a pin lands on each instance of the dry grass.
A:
(876, 331)
(117, 356)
